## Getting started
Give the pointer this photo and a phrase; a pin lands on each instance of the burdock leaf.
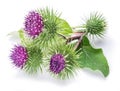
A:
(93, 58)
(25, 40)
(64, 28)
(21, 35)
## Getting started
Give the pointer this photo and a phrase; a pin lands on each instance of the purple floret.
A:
(19, 56)
(57, 63)
(33, 24)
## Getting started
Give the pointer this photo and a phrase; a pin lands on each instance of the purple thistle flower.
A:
(57, 63)
(19, 56)
(33, 24)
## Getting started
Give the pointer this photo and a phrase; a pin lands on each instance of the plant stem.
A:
(82, 26)
(74, 36)
(76, 27)
(79, 41)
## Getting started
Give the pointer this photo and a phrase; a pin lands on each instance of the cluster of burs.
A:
(48, 42)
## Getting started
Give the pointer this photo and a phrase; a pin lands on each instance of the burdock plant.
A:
(47, 41)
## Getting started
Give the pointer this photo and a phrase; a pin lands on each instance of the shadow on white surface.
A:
(43, 77)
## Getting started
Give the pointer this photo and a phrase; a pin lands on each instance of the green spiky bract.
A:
(96, 24)
(35, 55)
(70, 59)
(34, 62)
(50, 27)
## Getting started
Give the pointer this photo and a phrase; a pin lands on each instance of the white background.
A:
(12, 13)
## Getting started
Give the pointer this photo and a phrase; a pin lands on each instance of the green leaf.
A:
(93, 58)
(14, 36)
(64, 28)
(25, 40)
(21, 35)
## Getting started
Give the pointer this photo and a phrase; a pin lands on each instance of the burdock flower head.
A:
(62, 60)
(33, 24)
(96, 24)
(57, 63)
(19, 56)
